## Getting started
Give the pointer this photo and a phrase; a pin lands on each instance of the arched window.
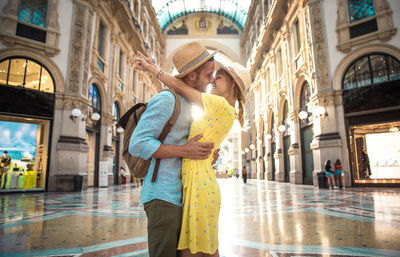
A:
(305, 97)
(116, 112)
(285, 114)
(94, 97)
(305, 103)
(371, 70)
(26, 73)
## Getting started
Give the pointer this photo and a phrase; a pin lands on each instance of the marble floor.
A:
(259, 218)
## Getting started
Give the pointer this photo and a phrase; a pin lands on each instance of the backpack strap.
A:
(167, 129)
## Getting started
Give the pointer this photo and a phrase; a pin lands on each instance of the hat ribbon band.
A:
(195, 61)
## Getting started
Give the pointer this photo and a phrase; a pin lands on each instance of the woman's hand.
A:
(143, 63)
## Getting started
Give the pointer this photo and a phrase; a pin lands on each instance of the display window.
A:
(24, 153)
(376, 152)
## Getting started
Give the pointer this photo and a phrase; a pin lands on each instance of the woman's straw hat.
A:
(189, 57)
(239, 74)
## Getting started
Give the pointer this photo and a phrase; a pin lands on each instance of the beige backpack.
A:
(138, 167)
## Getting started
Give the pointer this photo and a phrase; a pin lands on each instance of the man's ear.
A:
(192, 76)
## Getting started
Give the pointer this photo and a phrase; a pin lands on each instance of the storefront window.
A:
(23, 151)
(371, 70)
(22, 72)
(375, 151)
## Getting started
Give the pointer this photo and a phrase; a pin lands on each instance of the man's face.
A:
(204, 76)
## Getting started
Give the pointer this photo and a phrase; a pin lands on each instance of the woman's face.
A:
(223, 83)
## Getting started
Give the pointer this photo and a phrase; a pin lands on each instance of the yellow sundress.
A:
(201, 195)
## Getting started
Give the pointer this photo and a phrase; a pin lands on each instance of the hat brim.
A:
(183, 74)
(235, 77)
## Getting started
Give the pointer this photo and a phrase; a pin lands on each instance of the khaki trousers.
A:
(164, 222)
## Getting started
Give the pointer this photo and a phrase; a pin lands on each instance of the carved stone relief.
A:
(77, 43)
(87, 54)
(319, 47)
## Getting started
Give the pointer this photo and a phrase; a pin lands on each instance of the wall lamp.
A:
(282, 128)
(252, 146)
(268, 136)
(120, 130)
(95, 116)
(320, 111)
(75, 113)
(303, 115)
(246, 150)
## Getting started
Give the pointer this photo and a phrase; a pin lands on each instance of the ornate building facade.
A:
(65, 81)
(324, 76)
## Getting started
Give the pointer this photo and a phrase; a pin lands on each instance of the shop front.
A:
(371, 90)
(26, 114)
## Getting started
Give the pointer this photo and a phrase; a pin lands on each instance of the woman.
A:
(201, 195)
(338, 173)
(329, 174)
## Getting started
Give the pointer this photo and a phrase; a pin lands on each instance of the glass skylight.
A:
(169, 10)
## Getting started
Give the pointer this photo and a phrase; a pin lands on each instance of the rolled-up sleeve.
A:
(144, 141)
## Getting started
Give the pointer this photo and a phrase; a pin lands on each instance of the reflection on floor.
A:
(257, 219)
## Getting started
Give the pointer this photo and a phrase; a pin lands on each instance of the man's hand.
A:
(215, 156)
(196, 150)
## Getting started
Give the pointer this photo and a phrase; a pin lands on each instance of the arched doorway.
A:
(372, 113)
(286, 142)
(306, 134)
(93, 135)
(115, 141)
(26, 115)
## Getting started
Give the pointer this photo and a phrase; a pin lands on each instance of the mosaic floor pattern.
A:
(259, 218)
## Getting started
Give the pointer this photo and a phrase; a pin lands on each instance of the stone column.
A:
(278, 155)
(327, 143)
(107, 153)
(71, 147)
(296, 169)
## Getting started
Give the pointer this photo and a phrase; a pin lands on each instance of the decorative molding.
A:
(9, 20)
(384, 19)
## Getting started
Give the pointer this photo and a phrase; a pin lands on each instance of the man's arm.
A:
(144, 142)
(191, 150)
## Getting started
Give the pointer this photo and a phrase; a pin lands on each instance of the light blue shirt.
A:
(144, 143)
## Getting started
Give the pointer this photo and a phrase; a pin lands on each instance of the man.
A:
(162, 199)
(244, 174)
(5, 162)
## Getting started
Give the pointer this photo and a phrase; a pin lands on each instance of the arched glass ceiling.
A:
(169, 10)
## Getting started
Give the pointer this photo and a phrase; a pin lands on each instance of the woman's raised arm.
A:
(143, 63)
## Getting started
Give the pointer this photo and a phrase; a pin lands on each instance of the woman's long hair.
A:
(338, 163)
(328, 165)
(236, 93)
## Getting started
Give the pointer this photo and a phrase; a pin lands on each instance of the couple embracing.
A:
(182, 205)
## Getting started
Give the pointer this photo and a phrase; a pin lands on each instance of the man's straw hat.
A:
(239, 74)
(189, 57)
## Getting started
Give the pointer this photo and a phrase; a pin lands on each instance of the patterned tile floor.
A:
(257, 219)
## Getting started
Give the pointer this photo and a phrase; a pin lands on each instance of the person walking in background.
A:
(339, 173)
(329, 174)
(365, 162)
(244, 174)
